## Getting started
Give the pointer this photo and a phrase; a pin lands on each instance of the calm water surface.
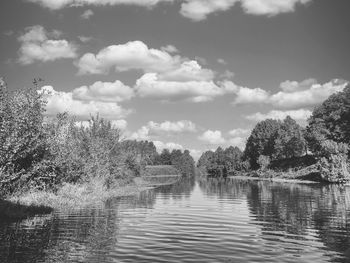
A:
(228, 220)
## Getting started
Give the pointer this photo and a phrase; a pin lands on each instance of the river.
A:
(231, 220)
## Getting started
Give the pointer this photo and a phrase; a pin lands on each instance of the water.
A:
(193, 221)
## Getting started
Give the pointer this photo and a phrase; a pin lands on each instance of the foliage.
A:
(288, 140)
(221, 163)
(182, 161)
(260, 141)
(264, 162)
(330, 121)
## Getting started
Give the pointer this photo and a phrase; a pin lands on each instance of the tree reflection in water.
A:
(293, 210)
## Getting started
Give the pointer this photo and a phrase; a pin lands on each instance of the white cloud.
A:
(36, 45)
(150, 85)
(169, 145)
(187, 71)
(131, 55)
(240, 142)
(246, 95)
(87, 14)
(239, 132)
(212, 137)
(198, 10)
(104, 91)
(167, 127)
(170, 49)
(294, 95)
(119, 124)
(305, 94)
(239, 137)
(299, 115)
(271, 7)
(58, 4)
(174, 127)
(141, 134)
(60, 101)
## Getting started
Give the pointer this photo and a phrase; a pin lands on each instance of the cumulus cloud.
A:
(87, 14)
(305, 94)
(294, 95)
(212, 137)
(168, 145)
(246, 95)
(104, 91)
(187, 71)
(58, 4)
(198, 10)
(299, 115)
(131, 55)
(167, 127)
(37, 44)
(222, 61)
(60, 101)
(152, 86)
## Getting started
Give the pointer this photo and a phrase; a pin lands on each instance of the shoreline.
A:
(74, 196)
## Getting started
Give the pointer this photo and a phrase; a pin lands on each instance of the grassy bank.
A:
(70, 196)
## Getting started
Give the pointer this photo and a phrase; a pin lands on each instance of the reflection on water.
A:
(227, 220)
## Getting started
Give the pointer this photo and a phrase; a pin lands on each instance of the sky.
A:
(186, 74)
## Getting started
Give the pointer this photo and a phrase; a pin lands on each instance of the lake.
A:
(227, 220)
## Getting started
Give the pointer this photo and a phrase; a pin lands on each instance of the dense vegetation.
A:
(37, 152)
(273, 145)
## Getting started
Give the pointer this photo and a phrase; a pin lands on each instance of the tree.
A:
(330, 121)
(260, 141)
(288, 140)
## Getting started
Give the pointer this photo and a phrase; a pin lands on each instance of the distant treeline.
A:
(326, 139)
(37, 152)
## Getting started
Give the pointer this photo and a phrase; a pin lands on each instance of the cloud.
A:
(271, 7)
(87, 14)
(188, 71)
(305, 94)
(294, 95)
(246, 95)
(167, 127)
(299, 115)
(169, 145)
(58, 4)
(104, 91)
(195, 10)
(133, 55)
(212, 137)
(36, 45)
(239, 137)
(198, 10)
(152, 86)
(60, 101)
(239, 132)
(170, 49)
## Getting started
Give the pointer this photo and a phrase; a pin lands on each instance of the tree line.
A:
(41, 152)
(326, 140)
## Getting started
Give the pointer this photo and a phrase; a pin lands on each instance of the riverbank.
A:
(70, 196)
